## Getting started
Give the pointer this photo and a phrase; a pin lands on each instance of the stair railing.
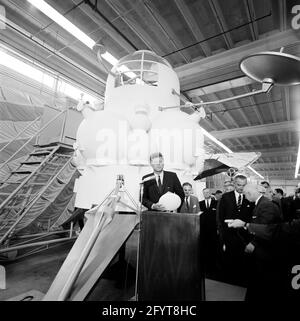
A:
(28, 141)
(20, 133)
(32, 202)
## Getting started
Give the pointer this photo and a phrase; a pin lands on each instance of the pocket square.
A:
(194, 206)
(248, 205)
(254, 216)
(214, 209)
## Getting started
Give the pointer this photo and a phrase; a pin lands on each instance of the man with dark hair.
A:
(278, 193)
(162, 182)
(208, 233)
(234, 205)
(218, 194)
(265, 184)
(295, 206)
(268, 190)
(282, 202)
(191, 202)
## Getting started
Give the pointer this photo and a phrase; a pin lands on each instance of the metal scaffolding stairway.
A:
(27, 185)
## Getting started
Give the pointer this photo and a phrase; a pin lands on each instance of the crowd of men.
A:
(250, 234)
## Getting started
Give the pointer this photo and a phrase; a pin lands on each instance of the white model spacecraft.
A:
(119, 139)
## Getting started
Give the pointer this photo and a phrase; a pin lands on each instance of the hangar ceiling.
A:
(204, 41)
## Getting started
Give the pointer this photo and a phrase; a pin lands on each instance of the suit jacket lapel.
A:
(256, 206)
(156, 186)
(233, 199)
(164, 184)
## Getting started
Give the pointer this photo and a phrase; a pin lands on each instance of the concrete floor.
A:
(31, 277)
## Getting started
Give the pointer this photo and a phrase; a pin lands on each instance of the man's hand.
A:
(249, 248)
(158, 207)
(235, 223)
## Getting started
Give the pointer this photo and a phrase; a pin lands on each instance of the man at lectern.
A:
(159, 183)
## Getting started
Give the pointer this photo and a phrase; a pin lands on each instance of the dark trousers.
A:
(235, 267)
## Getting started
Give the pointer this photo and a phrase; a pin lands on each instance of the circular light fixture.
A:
(280, 68)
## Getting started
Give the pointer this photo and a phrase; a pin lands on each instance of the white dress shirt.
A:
(237, 197)
(207, 200)
(259, 197)
(161, 177)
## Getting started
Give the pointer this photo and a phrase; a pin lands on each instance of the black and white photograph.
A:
(150, 154)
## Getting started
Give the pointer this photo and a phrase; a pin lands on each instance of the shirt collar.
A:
(161, 176)
(259, 197)
(237, 195)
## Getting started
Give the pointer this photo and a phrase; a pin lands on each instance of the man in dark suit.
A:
(234, 205)
(282, 203)
(191, 202)
(162, 182)
(208, 233)
(285, 239)
(262, 282)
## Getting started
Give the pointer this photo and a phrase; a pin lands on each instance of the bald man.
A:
(262, 283)
(285, 236)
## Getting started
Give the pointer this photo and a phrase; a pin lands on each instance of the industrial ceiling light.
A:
(70, 27)
(269, 68)
(63, 22)
(216, 141)
(298, 162)
(25, 69)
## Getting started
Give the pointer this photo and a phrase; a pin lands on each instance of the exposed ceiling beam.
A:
(279, 173)
(166, 29)
(215, 7)
(21, 41)
(225, 65)
(264, 129)
(228, 116)
(194, 28)
(250, 11)
(286, 165)
(282, 14)
(224, 85)
(93, 15)
(246, 120)
(119, 10)
(285, 93)
(277, 151)
(257, 111)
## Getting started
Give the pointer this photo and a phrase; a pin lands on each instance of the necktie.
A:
(239, 203)
(187, 203)
(159, 184)
(207, 204)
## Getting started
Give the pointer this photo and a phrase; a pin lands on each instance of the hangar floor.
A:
(30, 278)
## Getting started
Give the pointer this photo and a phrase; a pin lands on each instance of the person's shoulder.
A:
(147, 175)
(266, 203)
(227, 195)
(170, 174)
(194, 198)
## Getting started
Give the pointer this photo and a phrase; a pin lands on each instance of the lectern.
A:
(169, 267)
